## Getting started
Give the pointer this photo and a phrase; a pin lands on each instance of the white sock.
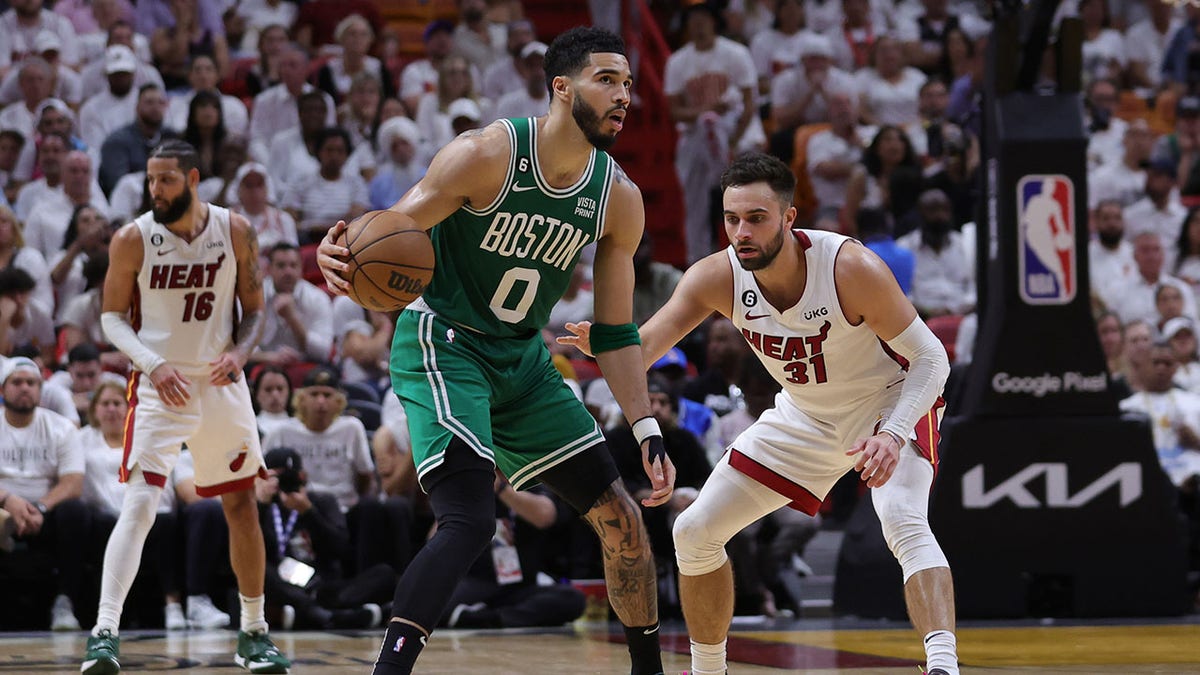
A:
(252, 614)
(941, 651)
(123, 554)
(708, 659)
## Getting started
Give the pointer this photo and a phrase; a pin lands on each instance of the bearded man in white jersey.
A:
(862, 378)
(179, 276)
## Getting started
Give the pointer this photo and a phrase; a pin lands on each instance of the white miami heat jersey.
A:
(828, 367)
(186, 297)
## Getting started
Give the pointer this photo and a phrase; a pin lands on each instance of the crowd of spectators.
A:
(303, 113)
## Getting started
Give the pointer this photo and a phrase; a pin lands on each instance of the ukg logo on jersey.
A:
(1046, 257)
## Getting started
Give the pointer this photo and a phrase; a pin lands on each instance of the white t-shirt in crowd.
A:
(102, 487)
(332, 458)
(891, 102)
(34, 457)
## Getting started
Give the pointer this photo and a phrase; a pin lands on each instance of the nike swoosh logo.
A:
(165, 251)
(752, 317)
(523, 188)
(650, 631)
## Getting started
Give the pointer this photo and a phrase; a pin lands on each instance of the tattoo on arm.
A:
(472, 133)
(250, 264)
(250, 330)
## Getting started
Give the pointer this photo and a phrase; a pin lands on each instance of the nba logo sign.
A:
(1046, 269)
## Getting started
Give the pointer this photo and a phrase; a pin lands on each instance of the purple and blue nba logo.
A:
(1046, 258)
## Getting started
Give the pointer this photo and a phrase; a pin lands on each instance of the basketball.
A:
(391, 260)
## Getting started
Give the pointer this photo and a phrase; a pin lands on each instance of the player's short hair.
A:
(324, 135)
(569, 52)
(282, 246)
(756, 167)
(180, 151)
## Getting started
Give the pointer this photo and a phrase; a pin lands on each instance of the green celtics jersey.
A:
(502, 266)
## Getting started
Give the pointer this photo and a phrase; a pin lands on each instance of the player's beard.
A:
(589, 122)
(766, 255)
(175, 210)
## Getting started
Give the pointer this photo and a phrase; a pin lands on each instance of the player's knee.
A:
(697, 550)
(474, 527)
(906, 530)
(617, 519)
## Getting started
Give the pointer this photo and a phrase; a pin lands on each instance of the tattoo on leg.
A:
(629, 569)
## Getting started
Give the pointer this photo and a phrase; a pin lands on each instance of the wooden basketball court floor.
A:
(815, 646)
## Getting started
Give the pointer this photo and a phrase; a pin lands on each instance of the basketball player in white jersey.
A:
(171, 300)
(862, 378)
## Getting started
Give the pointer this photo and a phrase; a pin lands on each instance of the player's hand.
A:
(877, 458)
(581, 337)
(172, 387)
(659, 468)
(331, 259)
(227, 369)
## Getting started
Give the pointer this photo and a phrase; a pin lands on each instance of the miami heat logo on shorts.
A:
(1046, 264)
(237, 458)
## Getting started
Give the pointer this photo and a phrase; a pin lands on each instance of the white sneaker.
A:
(452, 621)
(203, 615)
(62, 615)
(175, 620)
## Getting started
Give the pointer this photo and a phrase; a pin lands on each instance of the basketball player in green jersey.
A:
(508, 208)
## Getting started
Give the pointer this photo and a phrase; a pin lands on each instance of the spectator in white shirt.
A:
(801, 95)
(421, 76)
(275, 108)
(272, 395)
(331, 194)
(112, 27)
(402, 167)
(532, 99)
(1136, 299)
(79, 318)
(477, 38)
(890, 88)
(853, 37)
(51, 152)
(41, 480)
(355, 36)
(1145, 43)
(710, 85)
(14, 253)
(777, 48)
(293, 152)
(923, 35)
(1110, 256)
(20, 26)
(36, 81)
(1106, 131)
(87, 236)
(833, 155)
(298, 314)
(432, 113)
(508, 75)
(1174, 415)
(1103, 47)
(261, 15)
(1180, 333)
(943, 276)
(93, 74)
(254, 195)
(1124, 181)
(48, 219)
(66, 85)
(1160, 210)
(202, 76)
(114, 107)
(23, 323)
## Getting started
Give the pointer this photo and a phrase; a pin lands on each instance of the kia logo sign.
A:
(1125, 477)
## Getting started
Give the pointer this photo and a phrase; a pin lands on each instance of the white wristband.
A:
(645, 428)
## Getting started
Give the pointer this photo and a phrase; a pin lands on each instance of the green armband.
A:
(606, 337)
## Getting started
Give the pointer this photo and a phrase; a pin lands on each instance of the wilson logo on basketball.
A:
(405, 284)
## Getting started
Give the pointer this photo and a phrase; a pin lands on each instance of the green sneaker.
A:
(101, 656)
(257, 654)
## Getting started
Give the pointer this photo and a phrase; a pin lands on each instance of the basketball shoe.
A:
(101, 655)
(257, 654)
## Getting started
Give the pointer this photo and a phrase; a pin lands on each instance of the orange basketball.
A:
(391, 260)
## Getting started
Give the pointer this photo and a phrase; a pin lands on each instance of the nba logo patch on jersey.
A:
(1046, 260)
